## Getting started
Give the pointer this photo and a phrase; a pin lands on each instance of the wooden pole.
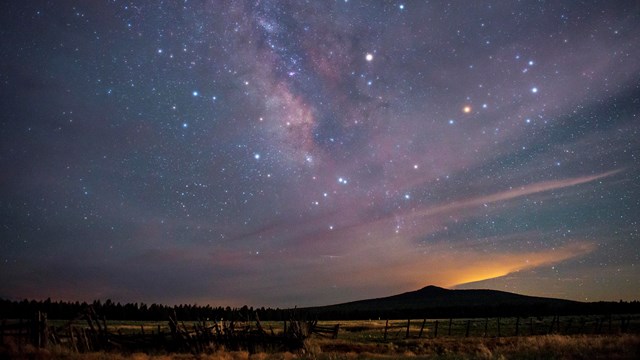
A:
(86, 341)
(449, 332)
(468, 325)
(386, 326)
(408, 326)
(35, 330)
(499, 327)
(20, 335)
(74, 346)
(44, 331)
(531, 326)
(424, 321)
(517, 325)
(435, 331)
(486, 327)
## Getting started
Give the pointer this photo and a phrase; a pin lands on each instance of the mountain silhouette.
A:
(435, 300)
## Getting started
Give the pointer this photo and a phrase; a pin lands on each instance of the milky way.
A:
(291, 153)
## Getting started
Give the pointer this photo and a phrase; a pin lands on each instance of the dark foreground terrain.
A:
(625, 346)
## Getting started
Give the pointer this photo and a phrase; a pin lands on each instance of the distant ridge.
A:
(433, 300)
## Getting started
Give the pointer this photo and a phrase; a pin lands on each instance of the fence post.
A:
(43, 333)
(408, 326)
(553, 322)
(449, 332)
(468, 325)
(435, 331)
(518, 326)
(20, 335)
(424, 321)
(499, 327)
(386, 326)
(486, 327)
(34, 329)
(72, 338)
(531, 326)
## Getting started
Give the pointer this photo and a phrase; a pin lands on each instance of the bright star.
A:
(369, 57)
(195, 93)
(466, 109)
(256, 156)
(534, 89)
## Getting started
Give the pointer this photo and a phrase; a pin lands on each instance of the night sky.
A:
(276, 153)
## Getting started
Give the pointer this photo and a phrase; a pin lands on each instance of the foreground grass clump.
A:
(625, 346)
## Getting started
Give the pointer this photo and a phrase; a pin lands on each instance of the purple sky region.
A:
(276, 153)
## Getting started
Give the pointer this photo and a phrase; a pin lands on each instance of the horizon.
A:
(257, 306)
(286, 154)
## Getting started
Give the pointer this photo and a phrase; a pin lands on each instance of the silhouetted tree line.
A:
(157, 312)
(133, 311)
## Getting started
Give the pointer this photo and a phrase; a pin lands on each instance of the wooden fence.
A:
(89, 333)
(519, 326)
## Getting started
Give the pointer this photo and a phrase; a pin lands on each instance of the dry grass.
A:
(625, 346)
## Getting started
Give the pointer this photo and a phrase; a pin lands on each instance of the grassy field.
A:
(625, 346)
(373, 330)
(579, 337)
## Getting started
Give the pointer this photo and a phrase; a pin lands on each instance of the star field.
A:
(277, 153)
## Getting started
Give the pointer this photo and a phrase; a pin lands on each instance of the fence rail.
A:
(516, 326)
(90, 333)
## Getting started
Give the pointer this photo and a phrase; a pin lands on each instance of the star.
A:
(203, 138)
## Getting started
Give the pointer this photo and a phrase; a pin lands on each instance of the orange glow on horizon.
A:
(505, 263)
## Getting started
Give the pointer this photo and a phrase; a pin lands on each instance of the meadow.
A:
(570, 337)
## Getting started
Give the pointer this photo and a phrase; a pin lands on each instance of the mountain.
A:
(436, 301)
